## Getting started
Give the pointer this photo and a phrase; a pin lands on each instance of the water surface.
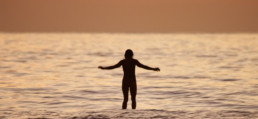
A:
(56, 75)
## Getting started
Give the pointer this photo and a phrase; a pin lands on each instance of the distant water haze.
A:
(129, 16)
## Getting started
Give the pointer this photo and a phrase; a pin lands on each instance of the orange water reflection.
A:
(59, 71)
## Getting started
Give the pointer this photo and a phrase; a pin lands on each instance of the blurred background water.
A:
(56, 73)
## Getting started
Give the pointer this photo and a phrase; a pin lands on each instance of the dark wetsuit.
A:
(129, 79)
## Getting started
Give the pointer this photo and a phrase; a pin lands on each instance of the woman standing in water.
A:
(129, 79)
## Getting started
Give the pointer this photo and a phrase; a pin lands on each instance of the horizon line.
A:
(63, 32)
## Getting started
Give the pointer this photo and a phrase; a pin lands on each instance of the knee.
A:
(133, 98)
(125, 99)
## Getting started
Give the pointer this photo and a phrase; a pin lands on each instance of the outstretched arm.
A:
(111, 67)
(146, 67)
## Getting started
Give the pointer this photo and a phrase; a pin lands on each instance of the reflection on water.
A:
(58, 73)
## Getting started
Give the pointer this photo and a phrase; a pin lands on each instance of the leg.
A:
(133, 91)
(125, 89)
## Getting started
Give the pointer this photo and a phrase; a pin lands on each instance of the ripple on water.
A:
(181, 77)
(55, 103)
(230, 67)
(16, 73)
(228, 80)
(206, 56)
(80, 75)
(4, 67)
(201, 77)
(178, 93)
(157, 87)
(100, 54)
(89, 92)
(63, 65)
(248, 93)
(10, 71)
(140, 114)
(72, 97)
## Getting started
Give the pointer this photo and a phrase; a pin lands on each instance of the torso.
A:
(129, 69)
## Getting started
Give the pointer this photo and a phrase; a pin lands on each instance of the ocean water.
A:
(55, 75)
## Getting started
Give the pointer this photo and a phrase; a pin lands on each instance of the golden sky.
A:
(128, 15)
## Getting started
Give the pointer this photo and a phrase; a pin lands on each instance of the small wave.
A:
(63, 65)
(10, 71)
(147, 114)
(80, 75)
(4, 67)
(178, 93)
(89, 91)
(236, 113)
(248, 93)
(254, 59)
(20, 61)
(201, 77)
(153, 77)
(230, 67)
(178, 77)
(21, 74)
(182, 77)
(100, 54)
(157, 87)
(98, 116)
(16, 73)
(206, 56)
(228, 79)
(231, 55)
(56, 103)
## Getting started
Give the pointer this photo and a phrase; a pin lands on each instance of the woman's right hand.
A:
(100, 67)
(156, 69)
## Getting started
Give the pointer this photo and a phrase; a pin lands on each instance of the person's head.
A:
(128, 54)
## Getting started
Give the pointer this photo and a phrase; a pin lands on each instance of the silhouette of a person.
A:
(129, 79)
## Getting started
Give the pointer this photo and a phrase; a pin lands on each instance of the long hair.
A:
(128, 54)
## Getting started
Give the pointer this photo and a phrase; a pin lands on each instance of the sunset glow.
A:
(129, 16)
